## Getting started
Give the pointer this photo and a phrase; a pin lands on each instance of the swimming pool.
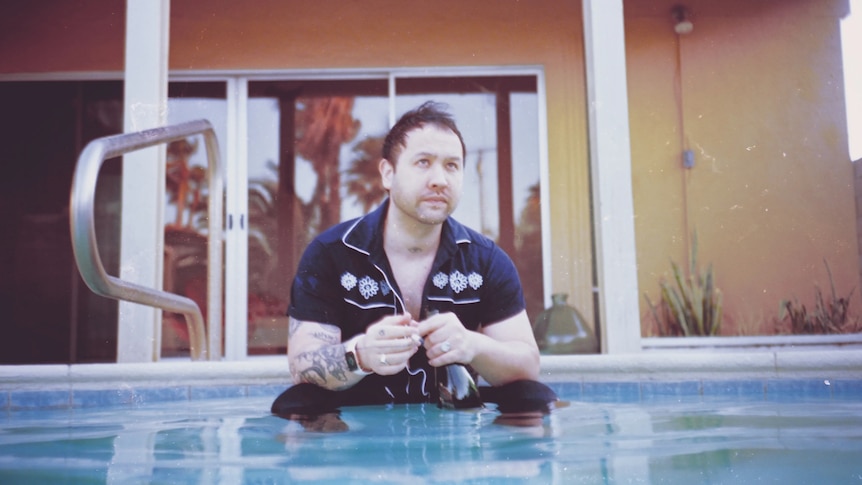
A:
(726, 432)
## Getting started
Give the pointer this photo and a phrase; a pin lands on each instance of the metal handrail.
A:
(86, 249)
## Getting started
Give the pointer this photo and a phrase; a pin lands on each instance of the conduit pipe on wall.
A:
(682, 26)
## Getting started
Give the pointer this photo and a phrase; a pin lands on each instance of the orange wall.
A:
(59, 36)
(771, 194)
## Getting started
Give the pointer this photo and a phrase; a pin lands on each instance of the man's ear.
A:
(387, 171)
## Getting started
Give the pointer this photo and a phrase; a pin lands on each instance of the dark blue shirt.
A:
(344, 279)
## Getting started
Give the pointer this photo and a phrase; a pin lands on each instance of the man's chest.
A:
(411, 275)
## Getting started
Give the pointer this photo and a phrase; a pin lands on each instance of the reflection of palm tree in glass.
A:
(362, 179)
(185, 239)
(263, 231)
(322, 126)
(180, 179)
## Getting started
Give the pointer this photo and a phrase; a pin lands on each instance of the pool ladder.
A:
(203, 345)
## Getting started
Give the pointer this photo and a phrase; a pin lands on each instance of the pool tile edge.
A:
(647, 375)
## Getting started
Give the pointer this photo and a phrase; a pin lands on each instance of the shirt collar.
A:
(366, 233)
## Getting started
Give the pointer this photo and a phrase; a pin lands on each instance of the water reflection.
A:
(237, 441)
(330, 422)
(420, 443)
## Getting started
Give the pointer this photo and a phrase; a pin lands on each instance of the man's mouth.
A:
(436, 200)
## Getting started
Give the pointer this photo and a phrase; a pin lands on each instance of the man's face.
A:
(426, 181)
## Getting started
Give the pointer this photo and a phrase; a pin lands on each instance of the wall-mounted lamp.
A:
(682, 25)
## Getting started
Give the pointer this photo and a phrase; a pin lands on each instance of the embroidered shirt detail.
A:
(348, 281)
(458, 281)
(384, 288)
(475, 280)
(440, 280)
(368, 287)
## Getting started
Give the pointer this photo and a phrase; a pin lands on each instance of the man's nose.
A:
(437, 176)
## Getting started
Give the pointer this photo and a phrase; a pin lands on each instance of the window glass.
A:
(50, 316)
(313, 152)
(186, 199)
(299, 183)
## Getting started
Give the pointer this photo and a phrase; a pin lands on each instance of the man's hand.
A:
(447, 341)
(501, 352)
(316, 351)
(388, 345)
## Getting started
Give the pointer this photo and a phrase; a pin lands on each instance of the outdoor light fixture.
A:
(682, 25)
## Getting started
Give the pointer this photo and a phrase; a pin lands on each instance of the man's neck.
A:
(405, 236)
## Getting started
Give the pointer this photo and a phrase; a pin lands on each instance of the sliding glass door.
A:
(313, 151)
(300, 154)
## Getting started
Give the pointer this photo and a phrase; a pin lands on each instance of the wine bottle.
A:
(455, 386)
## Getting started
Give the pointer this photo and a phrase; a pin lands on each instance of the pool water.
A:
(237, 441)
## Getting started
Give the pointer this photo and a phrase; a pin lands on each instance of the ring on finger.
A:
(446, 346)
(383, 359)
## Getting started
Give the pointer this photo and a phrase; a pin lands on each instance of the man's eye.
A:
(423, 162)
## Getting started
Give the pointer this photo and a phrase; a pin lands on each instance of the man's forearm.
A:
(324, 366)
(503, 362)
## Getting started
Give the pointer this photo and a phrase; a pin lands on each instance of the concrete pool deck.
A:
(267, 374)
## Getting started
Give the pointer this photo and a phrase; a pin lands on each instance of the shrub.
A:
(827, 317)
(693, 306)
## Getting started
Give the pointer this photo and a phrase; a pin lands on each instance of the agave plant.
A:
(693, 306)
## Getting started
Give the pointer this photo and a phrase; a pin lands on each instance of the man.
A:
(379, 303)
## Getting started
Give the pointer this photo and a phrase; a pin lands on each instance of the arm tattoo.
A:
(328, 333)
(321, 364)
(325, 363)
(329, 338)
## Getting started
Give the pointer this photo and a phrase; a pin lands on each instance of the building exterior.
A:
(614, 98)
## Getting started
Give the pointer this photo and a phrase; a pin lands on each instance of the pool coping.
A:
(650, 366)
(806, 373)
(706, 364)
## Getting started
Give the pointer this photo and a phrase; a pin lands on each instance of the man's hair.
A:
(430, 112)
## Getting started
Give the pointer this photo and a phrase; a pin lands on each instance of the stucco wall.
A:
(762, 107)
